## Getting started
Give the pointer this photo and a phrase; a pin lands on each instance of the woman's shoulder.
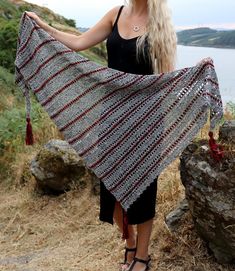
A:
(113, 12)
(116, 9)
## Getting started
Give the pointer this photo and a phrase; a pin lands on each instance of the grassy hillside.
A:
(12, 104)
(12, 10)
(207, 37)
(10, 14)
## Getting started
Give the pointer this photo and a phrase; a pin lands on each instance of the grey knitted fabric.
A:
(126, 127)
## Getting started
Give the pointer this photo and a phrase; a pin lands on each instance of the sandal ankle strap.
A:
(141, 260)
(130, 249)
(127, 249)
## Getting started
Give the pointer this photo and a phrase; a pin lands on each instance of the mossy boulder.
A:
(57, 166)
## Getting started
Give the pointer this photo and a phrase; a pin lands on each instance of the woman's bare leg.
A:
(144, 232)
(131, 241)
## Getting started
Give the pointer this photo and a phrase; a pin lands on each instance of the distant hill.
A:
(207, 37)
(83, 29)
(12, 9)
(10, 14)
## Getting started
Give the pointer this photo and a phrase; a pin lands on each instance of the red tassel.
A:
(125, 234)
(216, 150)
(29, 133)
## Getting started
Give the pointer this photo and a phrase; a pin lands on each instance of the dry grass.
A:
(63, 233)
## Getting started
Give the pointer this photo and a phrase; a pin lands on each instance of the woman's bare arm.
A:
(93, 36)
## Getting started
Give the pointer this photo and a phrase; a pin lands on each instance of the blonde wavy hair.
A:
(161, 36)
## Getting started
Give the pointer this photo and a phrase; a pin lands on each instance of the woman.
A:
(141, 40)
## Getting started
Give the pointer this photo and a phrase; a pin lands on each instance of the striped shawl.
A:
(126, 127)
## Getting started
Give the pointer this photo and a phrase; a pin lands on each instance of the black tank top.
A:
(122, 53)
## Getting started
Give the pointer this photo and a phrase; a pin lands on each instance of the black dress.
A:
(122, 56)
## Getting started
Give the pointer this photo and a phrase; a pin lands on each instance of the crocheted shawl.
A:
(126, 127)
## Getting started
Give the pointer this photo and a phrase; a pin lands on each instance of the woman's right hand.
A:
(93, 36)
(34, 16)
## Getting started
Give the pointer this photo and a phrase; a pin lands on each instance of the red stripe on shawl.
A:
(115, 125)
(47, 61)
(58, 72)
(131, 130)
(118, 122)
(35, 51)
(94, 105)
(70, 83)
(144, 135)
(212, 81)
(97, 121)
(136, 143)
(156, 143)
(164, 154)
(84, 93)
(213, 97)
(29, 37)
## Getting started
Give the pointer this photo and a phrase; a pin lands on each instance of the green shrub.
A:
(13, 125)
(7, 80)
(8, 41)
(230, 106)
(70, 22)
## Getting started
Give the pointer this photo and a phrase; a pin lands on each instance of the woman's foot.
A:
(128, 258)
(140, 264)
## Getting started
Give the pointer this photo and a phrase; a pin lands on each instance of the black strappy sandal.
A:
(135, 260)
(127, 250)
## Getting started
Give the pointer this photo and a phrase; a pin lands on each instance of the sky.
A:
(185, 13)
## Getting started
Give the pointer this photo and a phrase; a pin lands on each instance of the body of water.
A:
(224, 61)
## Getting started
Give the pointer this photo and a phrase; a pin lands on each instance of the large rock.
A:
(227, 132)
(57, 166)
(210, 192)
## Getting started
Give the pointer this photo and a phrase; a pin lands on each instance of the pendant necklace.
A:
(136, 28)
